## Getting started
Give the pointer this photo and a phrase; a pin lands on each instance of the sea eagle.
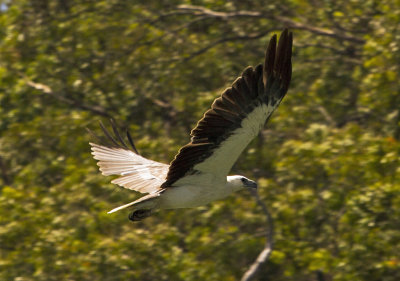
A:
(199, 173)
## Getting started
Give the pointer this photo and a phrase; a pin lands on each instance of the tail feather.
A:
(145, 202)
(122, 207)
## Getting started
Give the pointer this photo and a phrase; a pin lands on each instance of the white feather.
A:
(136, 172)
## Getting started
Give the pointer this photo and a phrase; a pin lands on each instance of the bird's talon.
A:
(139, 215)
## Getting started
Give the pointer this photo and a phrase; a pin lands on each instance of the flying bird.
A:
(199, 173)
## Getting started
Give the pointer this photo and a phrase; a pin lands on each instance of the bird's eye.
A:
(243, 180)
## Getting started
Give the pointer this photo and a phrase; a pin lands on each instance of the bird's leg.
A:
(139, 215)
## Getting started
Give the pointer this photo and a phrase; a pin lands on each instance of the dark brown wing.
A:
(236, 117)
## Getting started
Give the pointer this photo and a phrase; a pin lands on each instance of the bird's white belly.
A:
(190, 196)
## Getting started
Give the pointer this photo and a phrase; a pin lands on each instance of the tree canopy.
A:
(327, 163)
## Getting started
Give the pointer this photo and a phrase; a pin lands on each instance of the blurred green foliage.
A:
(327, 163)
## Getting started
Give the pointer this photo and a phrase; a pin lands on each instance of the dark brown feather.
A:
(263, 84)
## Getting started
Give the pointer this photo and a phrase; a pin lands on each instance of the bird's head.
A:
(240, 182)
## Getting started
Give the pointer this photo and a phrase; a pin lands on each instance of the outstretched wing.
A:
(116, 158)
(236, 117)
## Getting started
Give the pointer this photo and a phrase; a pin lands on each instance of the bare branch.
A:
(78, 104)
(320, 31)
(269, 244)
(326, 115)
(289, 23)
(322, 46)
(226, 39)
(334, 59)
(198, 10)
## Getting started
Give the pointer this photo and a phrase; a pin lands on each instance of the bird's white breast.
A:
(189, 196)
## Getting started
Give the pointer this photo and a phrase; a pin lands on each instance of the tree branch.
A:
(266, 252)
(201, 11)
(322, 46)
(198, 10)
(326, 115)
(223, 40)
(78, 104)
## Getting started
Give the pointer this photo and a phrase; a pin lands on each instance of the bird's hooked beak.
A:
(251, 184)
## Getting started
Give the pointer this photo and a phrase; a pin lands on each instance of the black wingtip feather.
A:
(93, 135)
(281, 51)
(117, 134)
(289, 61)
(108, 135)
(115, 141)
(269, 59)
(278, 65)
(131, 142)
